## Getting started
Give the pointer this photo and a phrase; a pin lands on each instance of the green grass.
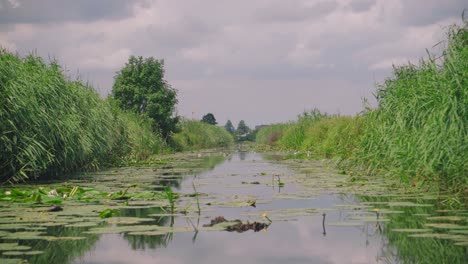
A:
(418, 132)
(198, 135)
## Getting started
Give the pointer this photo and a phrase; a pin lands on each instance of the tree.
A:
(140, 87)
(229, 127)
(209, 119)
(242, 128)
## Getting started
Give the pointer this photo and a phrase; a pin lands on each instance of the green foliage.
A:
(229, 127)
(420, 127)
(209, 119)
(198, 135)
(242, 128)
(295, 134)
(108, 213)
(49, 124)
(269, 135)
(140, 141)
(140, 87)
(333, 137)
(418, 132)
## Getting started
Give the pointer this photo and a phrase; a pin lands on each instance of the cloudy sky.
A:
(262, 61)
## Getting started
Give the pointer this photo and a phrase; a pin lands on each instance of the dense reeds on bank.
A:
(418, 131)
(51, 125)
(198, 135)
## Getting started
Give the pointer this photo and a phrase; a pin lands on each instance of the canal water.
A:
(310, 213)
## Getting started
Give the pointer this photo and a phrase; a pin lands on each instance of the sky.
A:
(263, 61)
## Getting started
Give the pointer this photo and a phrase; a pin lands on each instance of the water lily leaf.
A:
(411, 230)
(407, 204)
(446, 226)
(128, 220)
(4, 233)
(13, 247)
(27, 235)
(446, 218)
(459, 231)
(83, 224)
(439, 236)
(12, 261)
(21, 253)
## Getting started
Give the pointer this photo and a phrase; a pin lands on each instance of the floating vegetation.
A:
(220, 223)
(411, 230)
(446, 226)
(447, 218)
(13, 247)
(22, 253)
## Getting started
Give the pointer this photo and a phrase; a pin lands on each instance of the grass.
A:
(418, 132)
(198, 135)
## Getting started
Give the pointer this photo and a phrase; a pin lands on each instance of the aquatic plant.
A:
(170, 198)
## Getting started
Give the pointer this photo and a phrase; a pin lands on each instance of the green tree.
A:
(242, 128)
(140, 87)
(209, 119)
(229, 127)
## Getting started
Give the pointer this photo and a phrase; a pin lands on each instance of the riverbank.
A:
(417, 133)
(52, 126)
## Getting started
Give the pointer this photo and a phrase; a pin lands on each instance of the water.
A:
(318, 216)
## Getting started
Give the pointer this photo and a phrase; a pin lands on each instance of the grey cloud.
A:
(53, 11)
(293, 11)
(425, 12)
(216, 52)
(362, 5)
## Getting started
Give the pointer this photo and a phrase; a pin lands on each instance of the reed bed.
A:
(418, 132)
(198, 135)
(51, 125)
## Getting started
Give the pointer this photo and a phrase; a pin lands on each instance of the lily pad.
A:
(22, 253)
(128, 220)
(83, 224)
(446, 226)
(446, 218)
(439, 236)
(411, 230)
(13, 247)
(27, 235)
(12, 261)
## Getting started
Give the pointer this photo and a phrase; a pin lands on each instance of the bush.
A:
(197, 135)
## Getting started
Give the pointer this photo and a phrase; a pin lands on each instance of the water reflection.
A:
(306, 239)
